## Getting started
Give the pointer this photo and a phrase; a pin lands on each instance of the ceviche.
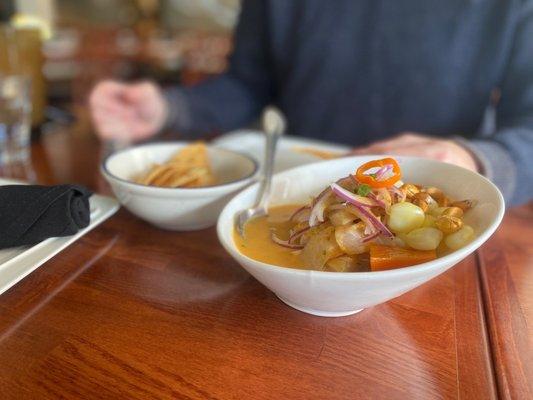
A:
(367, 221)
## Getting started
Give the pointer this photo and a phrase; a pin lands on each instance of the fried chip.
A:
(189, 167)
(151, 175)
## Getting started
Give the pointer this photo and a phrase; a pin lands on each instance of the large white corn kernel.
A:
(424, 238)
(405, 217)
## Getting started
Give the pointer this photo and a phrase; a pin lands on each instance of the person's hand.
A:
(412, 144)
(127, 112)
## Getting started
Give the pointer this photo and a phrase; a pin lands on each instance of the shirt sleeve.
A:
(506, 156)
(235, 98)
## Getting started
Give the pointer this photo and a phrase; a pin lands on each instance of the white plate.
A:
(252, 143)
(17, 263)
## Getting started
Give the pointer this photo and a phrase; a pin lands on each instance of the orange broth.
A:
(257, 243)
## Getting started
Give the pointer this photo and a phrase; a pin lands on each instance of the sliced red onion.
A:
(337, 206)
(378, 201)
(382, 171)
(297, 234)
(366, 216)
(352, 197)
(320, 204)
(298, 212)
(370, 237)
(370, 219)
(285, 243)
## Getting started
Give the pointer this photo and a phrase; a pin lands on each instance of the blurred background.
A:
(53, 52)
(65, 46)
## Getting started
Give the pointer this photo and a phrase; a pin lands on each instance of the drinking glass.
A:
(15, 123)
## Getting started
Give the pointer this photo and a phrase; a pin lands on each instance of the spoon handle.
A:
(273, 126)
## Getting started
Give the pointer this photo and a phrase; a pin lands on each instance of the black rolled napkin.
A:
(32, 213)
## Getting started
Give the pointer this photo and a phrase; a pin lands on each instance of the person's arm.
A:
(235, 98)
(506, 158)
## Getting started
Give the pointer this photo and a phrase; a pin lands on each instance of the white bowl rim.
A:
(452, 257)
(167, 190)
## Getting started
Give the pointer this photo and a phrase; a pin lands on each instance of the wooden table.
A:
(134, 312)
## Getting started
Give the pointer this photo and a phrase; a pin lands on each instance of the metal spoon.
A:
(274, 126)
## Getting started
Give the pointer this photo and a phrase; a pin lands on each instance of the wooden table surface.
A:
(134, 312)
(506, 269)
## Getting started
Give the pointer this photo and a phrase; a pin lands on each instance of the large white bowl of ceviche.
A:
(347, 234)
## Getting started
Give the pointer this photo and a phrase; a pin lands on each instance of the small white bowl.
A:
(334, 294)
(180, 209)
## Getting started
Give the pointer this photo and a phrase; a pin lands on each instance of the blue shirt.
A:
(355, 71)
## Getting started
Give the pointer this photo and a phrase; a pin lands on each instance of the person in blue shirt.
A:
(395, 77)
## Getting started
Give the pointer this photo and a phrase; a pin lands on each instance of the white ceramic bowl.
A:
(180, 209)
(335, 294)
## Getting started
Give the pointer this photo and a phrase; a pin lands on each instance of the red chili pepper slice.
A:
(371, 180)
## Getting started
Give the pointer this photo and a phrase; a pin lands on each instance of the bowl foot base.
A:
(319, 313)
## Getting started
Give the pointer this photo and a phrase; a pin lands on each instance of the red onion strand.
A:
(365, 215)
(352, 197)
(368, 238)
(382, 171)
(297, 234)
(285, 243)
(378, 201)
(298, 211)
(320, 204)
